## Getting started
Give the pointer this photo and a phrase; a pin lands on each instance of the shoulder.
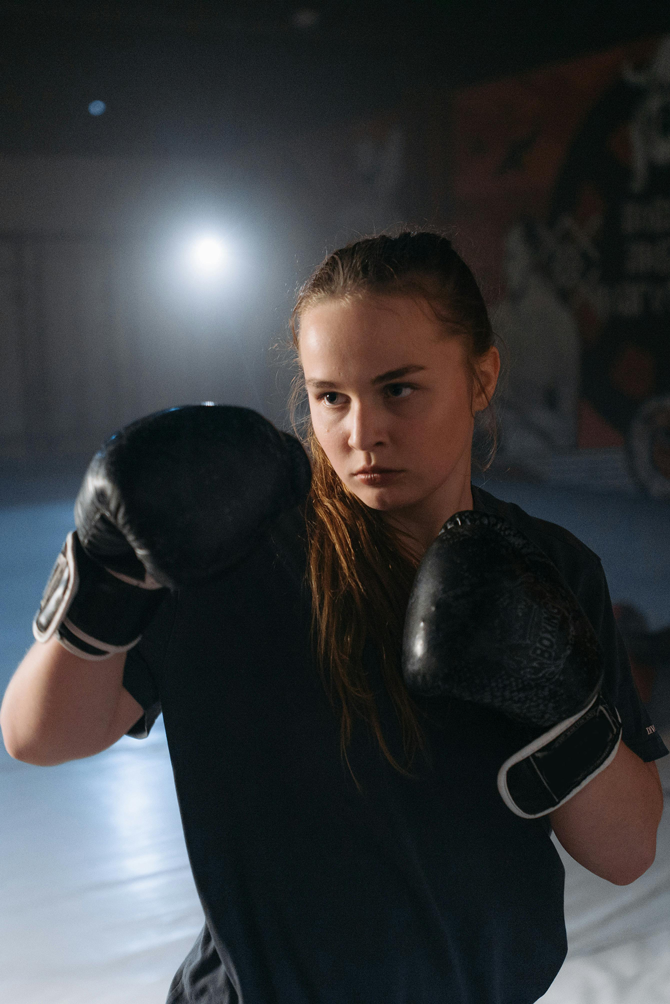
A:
(567, 552)
(583, 572)
(579, 566)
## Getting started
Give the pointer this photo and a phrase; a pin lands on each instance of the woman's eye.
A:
(331, 397)
(398, 390)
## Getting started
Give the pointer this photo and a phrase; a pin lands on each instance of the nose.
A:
(366, 431)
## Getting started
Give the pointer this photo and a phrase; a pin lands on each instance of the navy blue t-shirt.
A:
(421, 889)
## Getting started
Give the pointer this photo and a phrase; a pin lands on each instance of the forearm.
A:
(610, 825)
(59, 707)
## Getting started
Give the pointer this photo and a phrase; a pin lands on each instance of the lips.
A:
(377, 470)
(377, 475)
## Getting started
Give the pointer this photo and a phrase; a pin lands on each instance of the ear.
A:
(487, 368)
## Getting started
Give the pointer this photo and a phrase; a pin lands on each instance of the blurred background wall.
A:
(537, 135)
(104, 317)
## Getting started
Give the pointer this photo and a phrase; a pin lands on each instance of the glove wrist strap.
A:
(550, 770)
(93, 613)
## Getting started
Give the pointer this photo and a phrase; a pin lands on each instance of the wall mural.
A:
(561, 185)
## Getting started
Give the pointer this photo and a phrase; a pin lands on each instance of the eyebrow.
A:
(382, 378)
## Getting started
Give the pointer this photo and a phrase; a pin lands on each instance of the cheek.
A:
(328, 433)
(458, 409)
(320, 423)
(442, 432)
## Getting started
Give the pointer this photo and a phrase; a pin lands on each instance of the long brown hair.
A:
(360, 569)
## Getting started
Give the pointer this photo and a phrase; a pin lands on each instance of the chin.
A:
(382, 499)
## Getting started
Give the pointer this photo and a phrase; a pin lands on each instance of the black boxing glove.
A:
(175, 498)
(91, 611)
(490, 620)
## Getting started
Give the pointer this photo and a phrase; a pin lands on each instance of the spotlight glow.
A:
(208, 255)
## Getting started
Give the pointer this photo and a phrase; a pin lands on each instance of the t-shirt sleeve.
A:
(141, 673)
(639, 732)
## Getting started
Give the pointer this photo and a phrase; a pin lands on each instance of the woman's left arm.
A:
(610, 825)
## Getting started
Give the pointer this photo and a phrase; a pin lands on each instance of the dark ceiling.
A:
(204, 78)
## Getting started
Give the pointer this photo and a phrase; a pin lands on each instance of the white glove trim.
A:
(538, 744)
(95, 642)
(67, 555)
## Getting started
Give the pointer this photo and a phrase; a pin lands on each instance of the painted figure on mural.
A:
(539, 402)
(612, 197)
(650, 125)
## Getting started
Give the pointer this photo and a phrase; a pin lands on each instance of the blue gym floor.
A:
(98, 905)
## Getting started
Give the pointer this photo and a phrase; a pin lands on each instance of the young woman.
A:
(348, 841)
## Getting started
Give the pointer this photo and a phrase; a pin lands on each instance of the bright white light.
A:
(208, 255)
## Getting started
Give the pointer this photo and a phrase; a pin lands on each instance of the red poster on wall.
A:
(561, 200)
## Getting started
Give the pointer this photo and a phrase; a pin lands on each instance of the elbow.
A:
(11, 736)
(26, 753)
(633, 867)
(40, 758)
(44, 755)
(33, 749)
(9, 739)
(50, 750)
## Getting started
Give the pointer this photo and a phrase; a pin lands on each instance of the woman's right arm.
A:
(133, 540)
(59, 707)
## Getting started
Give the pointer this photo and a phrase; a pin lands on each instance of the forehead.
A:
(372, 329)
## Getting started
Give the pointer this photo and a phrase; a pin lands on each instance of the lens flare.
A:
(208, 255)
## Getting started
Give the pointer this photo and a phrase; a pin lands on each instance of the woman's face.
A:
(392, 398)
